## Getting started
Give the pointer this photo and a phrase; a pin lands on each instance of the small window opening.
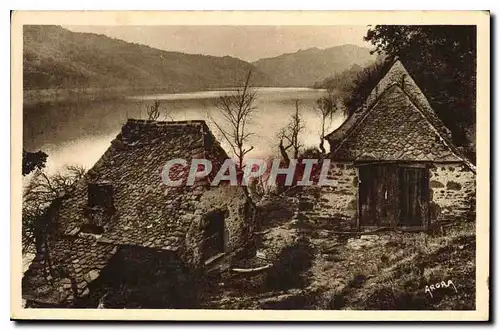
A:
(213, 234)
(100, 195)
(100, 207)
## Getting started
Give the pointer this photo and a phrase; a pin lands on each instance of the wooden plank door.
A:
(413, 196)
(378, 195)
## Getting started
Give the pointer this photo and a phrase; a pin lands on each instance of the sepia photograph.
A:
(262, 164)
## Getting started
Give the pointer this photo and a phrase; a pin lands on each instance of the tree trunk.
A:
(284, 154)
(322, 138)
(322, 146)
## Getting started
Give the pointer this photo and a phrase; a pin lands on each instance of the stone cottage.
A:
(125, 239)
(394, 163)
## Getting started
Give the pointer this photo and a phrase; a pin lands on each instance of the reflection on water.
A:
(79, 133)
(264, 92)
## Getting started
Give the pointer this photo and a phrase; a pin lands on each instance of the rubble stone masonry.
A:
(452, 195)
(453, 192)
(337, 204)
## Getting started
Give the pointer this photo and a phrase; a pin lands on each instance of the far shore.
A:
(55, 95)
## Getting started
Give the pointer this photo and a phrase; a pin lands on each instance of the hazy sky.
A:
(249, 43)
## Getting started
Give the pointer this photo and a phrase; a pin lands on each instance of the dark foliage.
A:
(33, 160)
(310, 153)
(442, 60)
(363, 83)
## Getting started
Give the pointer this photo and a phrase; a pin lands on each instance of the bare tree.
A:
(41, 191)
(327, 106)
(153, 111)
(289, 135)
(237, 109)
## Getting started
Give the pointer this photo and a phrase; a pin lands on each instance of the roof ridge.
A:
(365, 114)
(423, 113)
(374, 96)
(385, 69)
(445, 139)
(163, 123)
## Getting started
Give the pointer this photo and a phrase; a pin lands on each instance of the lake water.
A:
(79, 132)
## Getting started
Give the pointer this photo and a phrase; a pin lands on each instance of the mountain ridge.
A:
(309, 66)
(57, 59)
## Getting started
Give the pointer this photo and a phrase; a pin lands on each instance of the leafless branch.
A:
(153, 111)
(40, 192)
(327, 107)
(291, 135)
(236, 110)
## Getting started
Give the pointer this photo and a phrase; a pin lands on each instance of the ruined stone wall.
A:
(336, 206)
(238, 223)
(453, 192)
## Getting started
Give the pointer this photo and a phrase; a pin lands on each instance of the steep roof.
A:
(75, 263)
(396, 122)
(147, 213)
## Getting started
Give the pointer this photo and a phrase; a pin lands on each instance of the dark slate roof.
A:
(397, 73)
(338, 134)
(75, 264)
(396, 122)
(147, 213)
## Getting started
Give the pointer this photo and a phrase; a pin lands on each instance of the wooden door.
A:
(391, 195)
(413, 196)
(378, 195)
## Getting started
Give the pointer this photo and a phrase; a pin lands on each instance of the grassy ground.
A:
(321, 269)
(391, 270)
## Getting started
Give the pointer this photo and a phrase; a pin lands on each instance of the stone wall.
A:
(452, 196)
(453, 192)
(238, 223)
(334, 206)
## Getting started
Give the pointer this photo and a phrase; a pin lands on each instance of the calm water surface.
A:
(80, 132)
